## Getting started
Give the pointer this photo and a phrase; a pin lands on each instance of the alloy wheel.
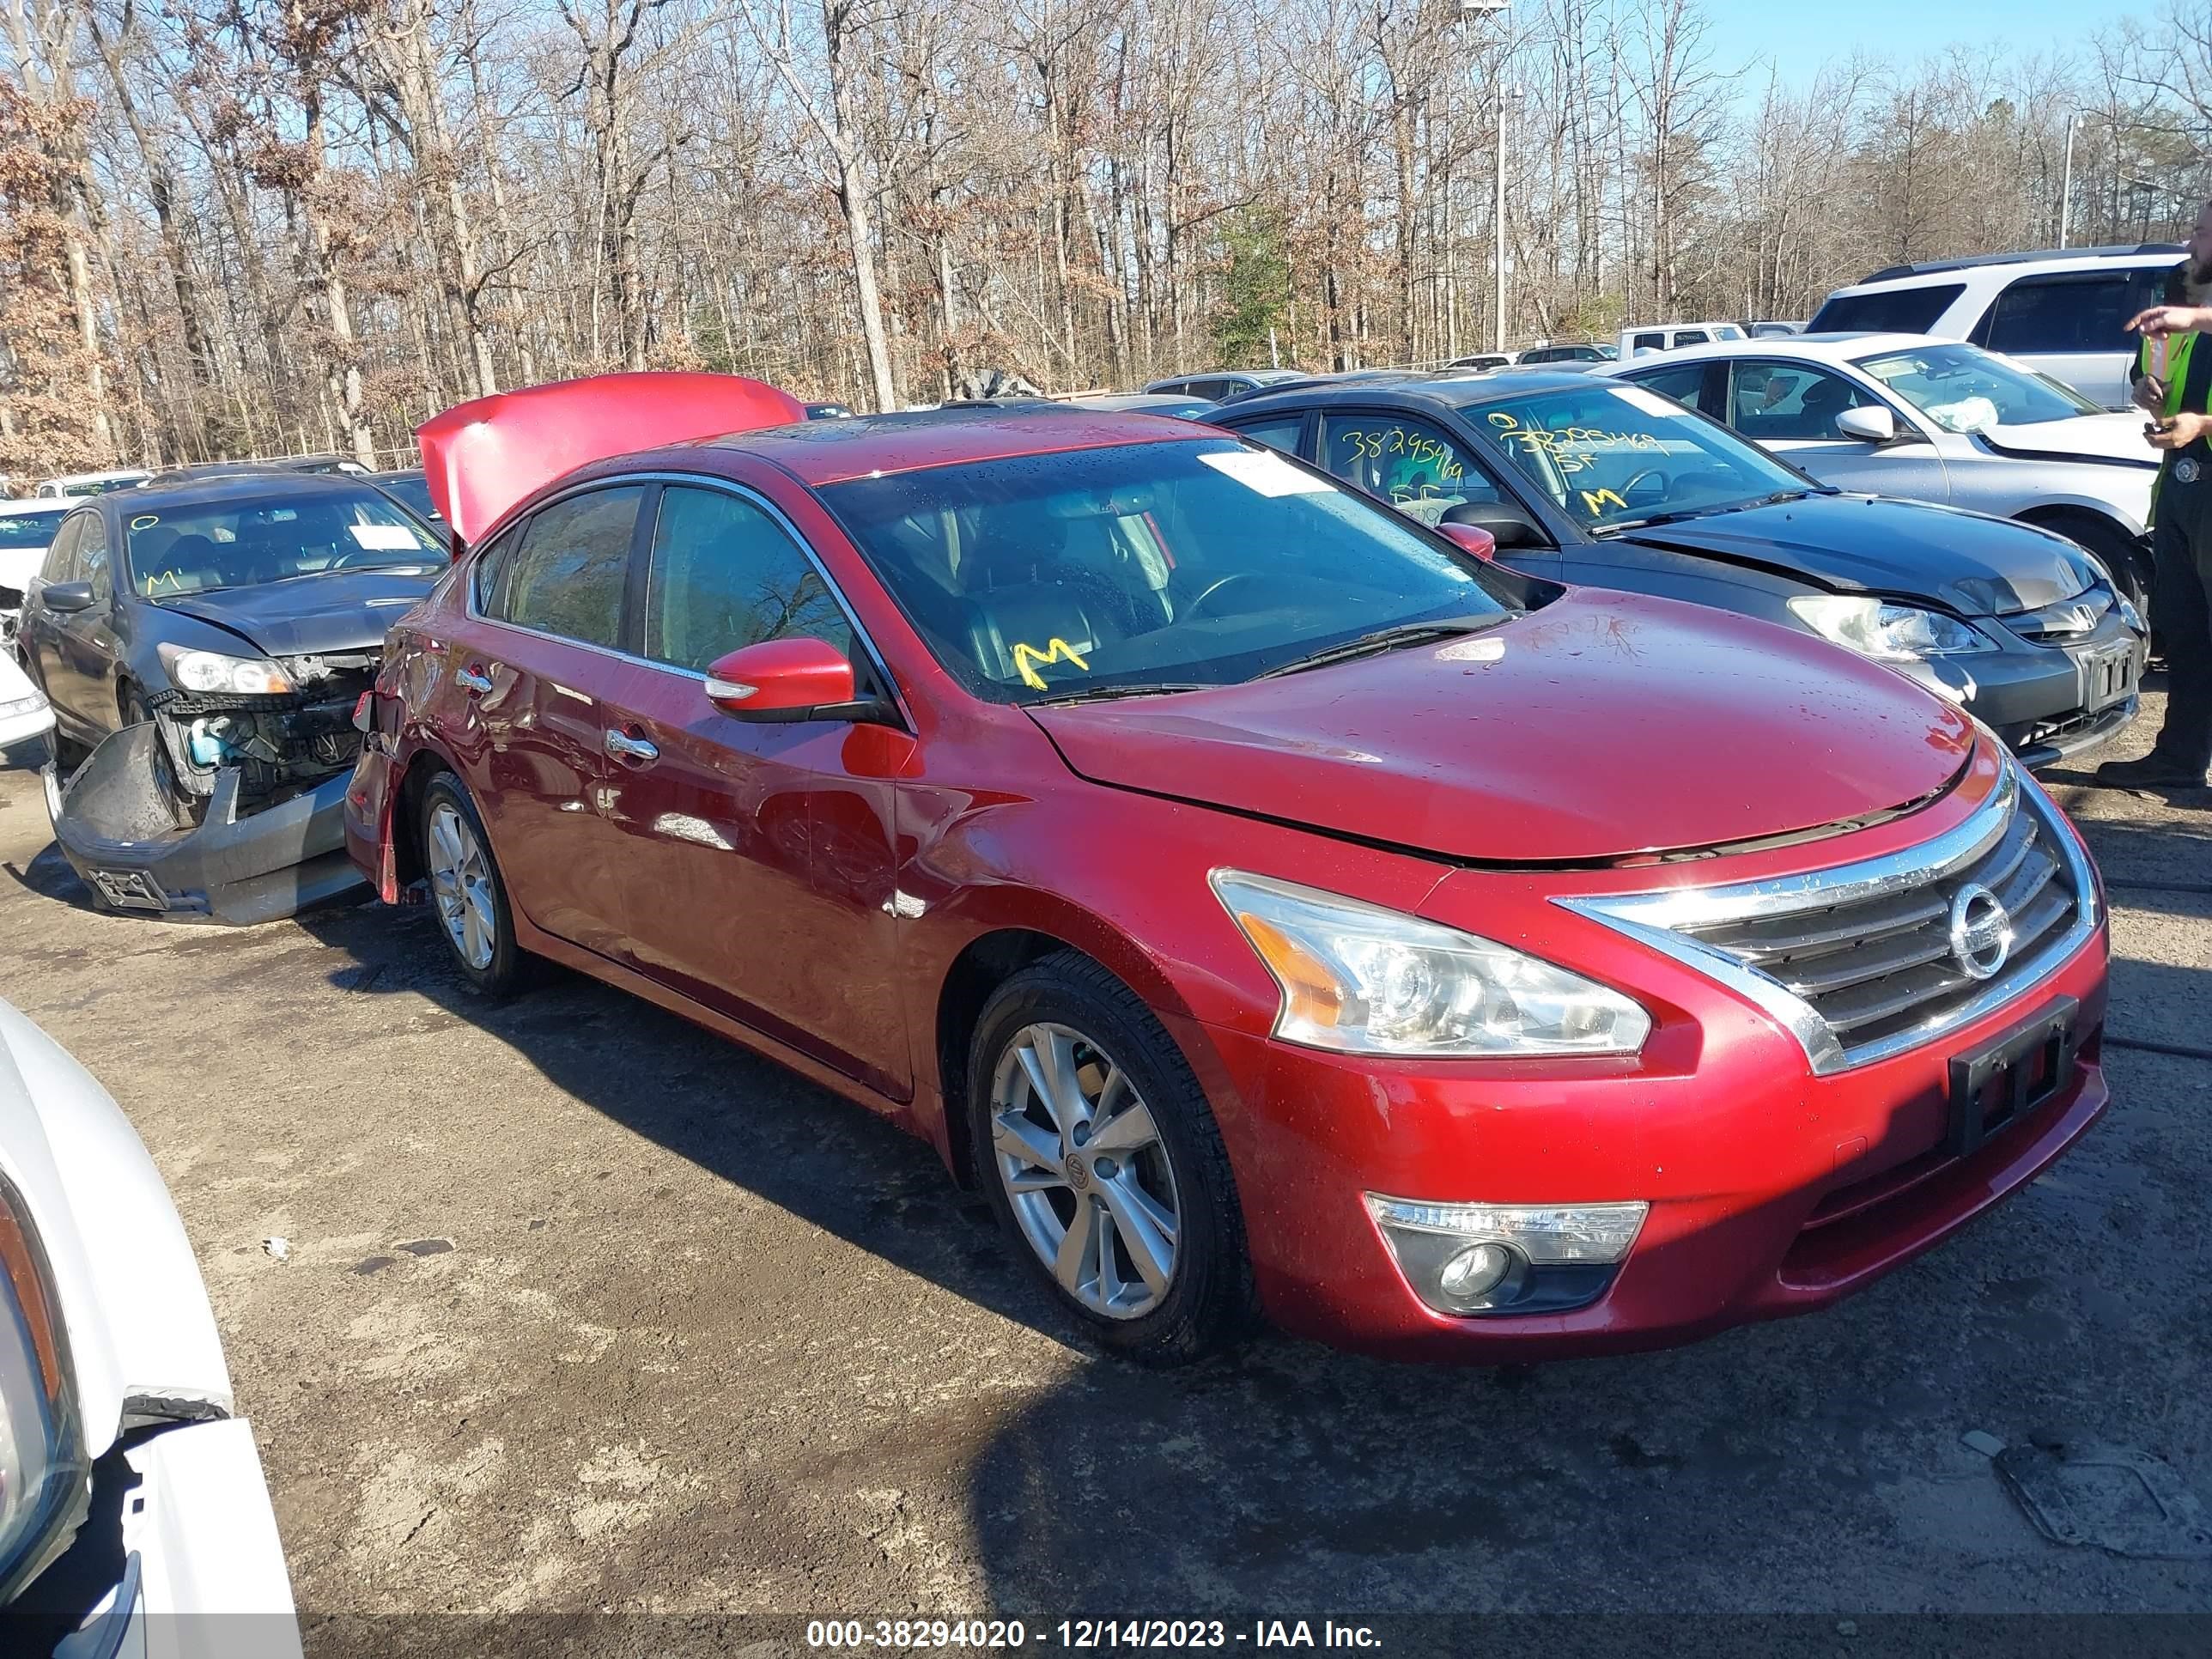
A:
(1090, 1180)
(460, 883)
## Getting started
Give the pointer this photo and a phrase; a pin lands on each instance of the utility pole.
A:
(2066, 189)
(1496, 9)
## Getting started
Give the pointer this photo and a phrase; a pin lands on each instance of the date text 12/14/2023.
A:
(854, 1634)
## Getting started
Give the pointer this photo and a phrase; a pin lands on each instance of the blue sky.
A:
(1800, 37)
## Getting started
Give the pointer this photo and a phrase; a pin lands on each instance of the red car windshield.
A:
(1204, 563)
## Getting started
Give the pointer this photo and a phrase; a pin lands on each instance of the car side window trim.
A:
(635, 575)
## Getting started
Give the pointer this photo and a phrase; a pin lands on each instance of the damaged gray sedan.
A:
(203, 648)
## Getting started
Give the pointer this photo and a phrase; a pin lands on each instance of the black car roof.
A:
(235, 486)
(1461, 390)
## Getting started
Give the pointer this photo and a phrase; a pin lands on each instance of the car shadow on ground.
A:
(1814, 1463)
(1289, 1476)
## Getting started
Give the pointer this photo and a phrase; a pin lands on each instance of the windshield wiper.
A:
(1679, 514)
(1387, 639)
(1109, 693)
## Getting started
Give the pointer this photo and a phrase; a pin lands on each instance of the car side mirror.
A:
(1869, 423)
(1472, 538)
(801, 678)
(66, 596)
(1506, 524)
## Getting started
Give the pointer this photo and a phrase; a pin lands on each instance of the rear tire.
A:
(468, 896)
(1110, 1179)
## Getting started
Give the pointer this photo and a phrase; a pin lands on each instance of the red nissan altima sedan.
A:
(1268, 901)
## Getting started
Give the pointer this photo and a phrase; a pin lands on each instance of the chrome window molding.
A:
(1654, 918)
(689, 481)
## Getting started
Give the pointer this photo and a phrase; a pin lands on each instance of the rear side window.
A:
(1281, 433)
(1891, 311)
(1648, 343)
(1692, 336)
(725, 574)
(566, 577)
(2078, 311)
(491, 565)
(1683, 382)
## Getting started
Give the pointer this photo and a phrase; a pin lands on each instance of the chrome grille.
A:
(1860, 961)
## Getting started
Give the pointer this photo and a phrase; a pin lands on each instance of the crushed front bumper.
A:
(178, 1559)
(117, 826)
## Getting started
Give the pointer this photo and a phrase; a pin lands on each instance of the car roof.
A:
(1136, 401)
(2007, 267)
(1840, 347)
(2063, 258)
(820, 453)
(1459, 389)
(236, 486)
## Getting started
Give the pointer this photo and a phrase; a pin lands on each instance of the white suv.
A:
(2063, 313)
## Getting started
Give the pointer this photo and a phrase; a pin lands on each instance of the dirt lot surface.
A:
(586, 1310)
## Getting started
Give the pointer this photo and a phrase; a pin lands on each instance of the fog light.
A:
(1475, 1272)
(1507, 1258)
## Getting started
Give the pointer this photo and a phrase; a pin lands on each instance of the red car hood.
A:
(1601, 726)
(482, 457)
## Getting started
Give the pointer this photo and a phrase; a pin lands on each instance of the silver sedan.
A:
(1929, 421)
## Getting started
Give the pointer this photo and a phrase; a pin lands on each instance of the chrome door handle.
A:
(622, 744)
(468, 680)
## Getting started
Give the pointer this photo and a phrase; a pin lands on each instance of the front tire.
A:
(467, 893)
(2117, 552)
(1104, 1162)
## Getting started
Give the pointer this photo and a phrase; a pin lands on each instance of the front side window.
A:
(1202, 561)
(1648, 343)
(63, 554)
(1608, 454)
(1785, 401)
(1414, 464)
(568, 575)
(1692, 336)
(92, 558)
(246, 543)
(1962, 388)
(724, 575)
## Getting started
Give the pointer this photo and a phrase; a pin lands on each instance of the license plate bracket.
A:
(2108, 676)
(2030, 1064)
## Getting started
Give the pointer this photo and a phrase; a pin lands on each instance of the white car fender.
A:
(143, 1339)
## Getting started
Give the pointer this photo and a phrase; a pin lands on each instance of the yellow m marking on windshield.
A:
(1056, 650)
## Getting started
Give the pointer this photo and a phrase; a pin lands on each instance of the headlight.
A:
(1886, 632)
(1365, 981)
(44, 1472)
(211, 671)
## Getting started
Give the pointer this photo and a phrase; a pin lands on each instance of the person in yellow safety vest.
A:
(2173, 386)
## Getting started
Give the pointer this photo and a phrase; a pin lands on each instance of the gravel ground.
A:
(588, 1312)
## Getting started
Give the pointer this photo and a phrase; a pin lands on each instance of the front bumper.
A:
(117, 828)
(179, 1559)
(2047, 702)
(1771, 1191)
